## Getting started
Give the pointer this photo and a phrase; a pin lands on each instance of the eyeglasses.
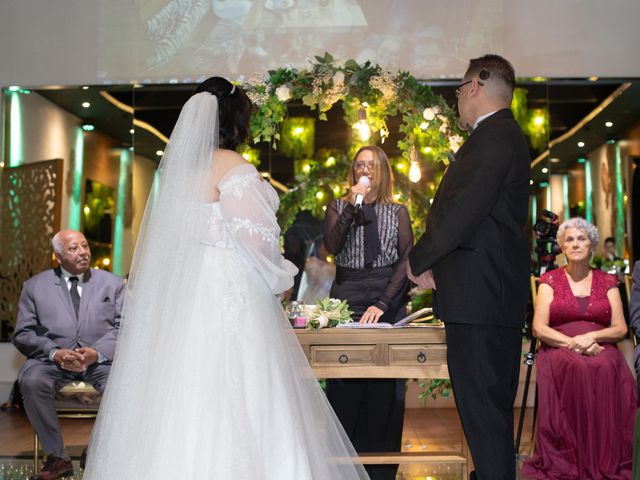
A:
(362, 165)
(458, 92)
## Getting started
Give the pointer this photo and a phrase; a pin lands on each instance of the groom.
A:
(475, 254)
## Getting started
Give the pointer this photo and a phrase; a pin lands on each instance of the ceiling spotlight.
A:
(132, 131)
(159, 153)
(593, 79)
(86, 104)
(530, 182)
(87, 127)
(545, 170)
(608, 124)
(555, 160)
(13, 88)
(581, 144)
(86, 87)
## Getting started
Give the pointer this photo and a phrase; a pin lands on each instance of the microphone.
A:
(363, 180)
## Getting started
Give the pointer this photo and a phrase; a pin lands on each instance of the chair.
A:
(627, 345)
(73, 400)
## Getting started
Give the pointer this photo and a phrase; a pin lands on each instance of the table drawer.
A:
(325, 355)
(417, 355)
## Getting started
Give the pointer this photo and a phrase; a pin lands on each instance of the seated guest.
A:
(318, 275)
(586, 393)
(67, 325)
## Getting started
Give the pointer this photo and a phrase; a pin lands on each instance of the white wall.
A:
(10, 362)
(47, 132)
(71, 42)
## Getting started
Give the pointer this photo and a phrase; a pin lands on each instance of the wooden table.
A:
(411, 352)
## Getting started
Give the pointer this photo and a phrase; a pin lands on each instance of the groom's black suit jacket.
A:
(475, 241)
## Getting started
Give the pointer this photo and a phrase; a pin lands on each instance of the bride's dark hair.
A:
(234, 110)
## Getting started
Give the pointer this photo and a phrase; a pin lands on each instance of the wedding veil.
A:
(158, 301)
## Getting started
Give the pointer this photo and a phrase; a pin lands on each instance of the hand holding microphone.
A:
(360, 190)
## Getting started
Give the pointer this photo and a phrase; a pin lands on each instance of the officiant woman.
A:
(371, 244)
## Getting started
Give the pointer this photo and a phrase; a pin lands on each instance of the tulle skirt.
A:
(222, 392)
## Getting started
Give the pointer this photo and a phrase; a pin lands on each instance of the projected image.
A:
(184, 40)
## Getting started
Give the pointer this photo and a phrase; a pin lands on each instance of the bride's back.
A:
(223, 161)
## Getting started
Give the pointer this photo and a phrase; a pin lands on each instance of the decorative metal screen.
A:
(30, 198)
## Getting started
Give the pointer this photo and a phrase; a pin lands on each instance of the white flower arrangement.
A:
(454, 142)
(283, 93)
(329, 313)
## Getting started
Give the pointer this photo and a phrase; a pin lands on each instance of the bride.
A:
(209, 380)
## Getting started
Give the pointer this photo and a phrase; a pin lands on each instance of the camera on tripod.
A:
(546, 229)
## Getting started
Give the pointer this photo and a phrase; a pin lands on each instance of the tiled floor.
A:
(425, 429)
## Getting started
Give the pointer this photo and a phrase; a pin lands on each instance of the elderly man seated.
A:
(67, 326)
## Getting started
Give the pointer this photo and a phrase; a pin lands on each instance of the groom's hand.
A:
(424, 280)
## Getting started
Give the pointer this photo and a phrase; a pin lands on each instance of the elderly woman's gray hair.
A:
(579, 224)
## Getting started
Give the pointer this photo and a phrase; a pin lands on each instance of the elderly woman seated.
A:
(586, 393)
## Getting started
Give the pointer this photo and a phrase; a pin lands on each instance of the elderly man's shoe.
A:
(54, 468)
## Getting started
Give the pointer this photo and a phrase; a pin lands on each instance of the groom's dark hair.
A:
(234, 110)
(496, 70)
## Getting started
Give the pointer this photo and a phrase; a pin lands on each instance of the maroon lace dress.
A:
(586, 404)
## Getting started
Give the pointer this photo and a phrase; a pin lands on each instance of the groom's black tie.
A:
(75, 295)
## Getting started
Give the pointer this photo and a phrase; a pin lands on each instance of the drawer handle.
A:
(344, 358)
(422, 357)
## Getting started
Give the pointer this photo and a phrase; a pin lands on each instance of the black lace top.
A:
(344, 236)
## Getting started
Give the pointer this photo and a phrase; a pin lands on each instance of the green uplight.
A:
(16, 153)
(619, 201)
(75, 202)
(87, 127)
(565, 195)
(582, 160)
(118, 233)
(588, 191)
(13, 88)
(544, 184)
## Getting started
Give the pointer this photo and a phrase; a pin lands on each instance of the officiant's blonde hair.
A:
(382, 188)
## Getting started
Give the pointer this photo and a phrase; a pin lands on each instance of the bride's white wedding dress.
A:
(222, 391)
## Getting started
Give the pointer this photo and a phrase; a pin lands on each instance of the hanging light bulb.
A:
(414, 172)
(414, 169)
(362, 125)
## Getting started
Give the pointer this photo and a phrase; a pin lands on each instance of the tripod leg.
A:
(529, 359)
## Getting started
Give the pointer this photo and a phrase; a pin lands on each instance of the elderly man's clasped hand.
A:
(77, 360)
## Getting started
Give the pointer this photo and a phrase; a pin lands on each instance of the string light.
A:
(362, 126)
(414, 172)
(331, 161)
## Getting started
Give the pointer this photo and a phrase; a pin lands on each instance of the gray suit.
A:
(634, 312)
(46, 320)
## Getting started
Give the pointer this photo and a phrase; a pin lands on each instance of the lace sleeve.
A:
(398, 280)
(251, 223)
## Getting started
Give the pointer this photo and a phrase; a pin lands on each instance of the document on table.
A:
(401, 323)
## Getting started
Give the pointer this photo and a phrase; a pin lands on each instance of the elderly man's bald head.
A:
(72, 251)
